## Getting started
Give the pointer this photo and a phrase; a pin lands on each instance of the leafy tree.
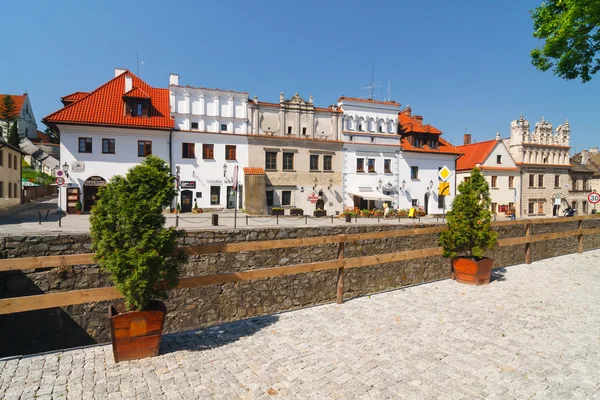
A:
(7, 111)
(128, 233)
(53, 135)
(469, 231)
(13, 135)
(571, 30)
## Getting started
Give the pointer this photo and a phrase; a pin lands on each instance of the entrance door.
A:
(90, 191)
(426, 203)
(320, 205)
(186, 201)
(230, 197)
(72, 199)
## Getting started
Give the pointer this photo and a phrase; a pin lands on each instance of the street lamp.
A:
(330, 183)
(380, 183)
(224, 170)
(430, 184)
(65, 168)
(316, 181)
(403, 184)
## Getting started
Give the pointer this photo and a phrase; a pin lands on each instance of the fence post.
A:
(277, 219)
(177, 220)
(60, 219)
(377, 218)
(332, 218)
(246, 220)
(527, 245)
(340, 273)
(47, 212)
(305, 219)
(356, 218)
(580, 237)
(40, 217)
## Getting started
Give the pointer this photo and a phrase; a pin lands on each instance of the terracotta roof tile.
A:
(444, 148)
(70, 98)
(104, 106)
(254, 171)
(19, 101)
(136, 93)
(388, 103)
(474, 154)
(414, 123)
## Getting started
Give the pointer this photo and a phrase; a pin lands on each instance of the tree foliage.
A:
(128, 233)
(13, 135)
(7, 111)
(53, 136)
(469, 223)
(571, 30)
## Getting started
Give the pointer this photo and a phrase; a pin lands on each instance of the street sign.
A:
(444, 189)
(235, 177)
(59, 173)
(594, 198)
(444, 174)
(60, 181)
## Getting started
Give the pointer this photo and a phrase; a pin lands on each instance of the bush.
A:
(78, 206)
(469, 222)
(128, 234)
(277, 209)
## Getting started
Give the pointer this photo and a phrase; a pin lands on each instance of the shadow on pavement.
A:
(498, 275)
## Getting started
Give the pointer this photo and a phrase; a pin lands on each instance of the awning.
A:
(372, 195)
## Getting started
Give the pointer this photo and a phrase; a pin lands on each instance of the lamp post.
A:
(224, 170)
(315, 182)
(379, 184)
(330, 183)
(65, 169)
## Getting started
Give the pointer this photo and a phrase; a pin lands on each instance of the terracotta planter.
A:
(78, 212)
(296, 212)
(136, 334)
(472, 272)
(348, 218)
(322, 213)
(277, 212)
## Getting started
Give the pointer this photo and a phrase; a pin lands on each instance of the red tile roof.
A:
(474, 153)
(104, 106)
(443, 148)
(388, 103)
(485, 168)
(254, 171)
(70, 98)
(136, 93)
(414, 123)
(19, 101)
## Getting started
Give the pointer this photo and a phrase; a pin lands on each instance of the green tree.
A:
(128, 234)
(571, 30)
(469, 231)
(7, 111)
(13, 135)
(53, 135)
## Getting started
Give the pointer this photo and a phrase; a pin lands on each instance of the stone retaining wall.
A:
(43, 330)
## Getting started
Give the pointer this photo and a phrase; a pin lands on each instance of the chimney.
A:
(594, 150)
(255, 99)
(128, 83)
(119, 71)
(497, 135)
(585, 155)
(419, 118)
(467, 138)
(407, 111)
(174, 79)
(311, 100)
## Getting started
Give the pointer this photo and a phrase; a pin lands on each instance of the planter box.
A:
(277, 212)
(471, 272)
(320, 213)
(348, 218)
(136, 334)
(296, 212)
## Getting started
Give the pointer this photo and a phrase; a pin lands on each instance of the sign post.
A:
(444, 175)
(594, 198)
(235, 191)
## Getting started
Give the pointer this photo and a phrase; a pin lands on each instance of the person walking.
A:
(513, 213)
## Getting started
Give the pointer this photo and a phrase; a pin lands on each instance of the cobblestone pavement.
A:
(534, 332)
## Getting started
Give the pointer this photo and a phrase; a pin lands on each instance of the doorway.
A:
(426, 200)
(90, 192)
(186, 201)
(230, 197)
(320, 205)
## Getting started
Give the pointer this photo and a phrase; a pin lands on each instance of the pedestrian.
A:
(513, 213)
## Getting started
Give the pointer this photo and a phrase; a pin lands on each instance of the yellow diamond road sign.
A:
(444, 173)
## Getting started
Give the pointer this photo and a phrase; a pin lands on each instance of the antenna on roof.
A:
(372, 85)
(137, 63)
(389, 98)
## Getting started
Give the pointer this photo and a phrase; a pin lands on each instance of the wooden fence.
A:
(73, 297)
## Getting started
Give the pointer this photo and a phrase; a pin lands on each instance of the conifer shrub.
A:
(128, 234)
(469, 231)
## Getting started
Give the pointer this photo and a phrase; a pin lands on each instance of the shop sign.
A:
(313, 198)
(95, 181)
(188, 184)
(77, 166)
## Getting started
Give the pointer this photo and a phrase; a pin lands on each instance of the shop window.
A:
(215, 195)
(360, 165)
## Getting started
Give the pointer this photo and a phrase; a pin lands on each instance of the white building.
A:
(107, 131)
(209, 141)
(26, 125)
(371, 150)
(495, 162)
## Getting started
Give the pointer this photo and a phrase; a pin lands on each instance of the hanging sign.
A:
(188, 184)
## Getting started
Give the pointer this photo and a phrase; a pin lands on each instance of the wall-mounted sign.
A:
(59, 173)
(313, 199)
(219, 181)
(95, 181)
(77, 166)
(188, 184)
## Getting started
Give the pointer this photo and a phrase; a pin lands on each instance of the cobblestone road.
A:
(533, 333)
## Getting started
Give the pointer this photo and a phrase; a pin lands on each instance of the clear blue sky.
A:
(455, 63)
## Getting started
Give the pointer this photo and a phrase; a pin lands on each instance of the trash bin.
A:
(215, 219)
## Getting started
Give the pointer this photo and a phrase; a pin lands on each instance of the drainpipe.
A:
(170, 156)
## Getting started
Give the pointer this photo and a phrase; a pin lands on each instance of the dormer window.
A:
(417, 142)
(433, 144)
(137, 108)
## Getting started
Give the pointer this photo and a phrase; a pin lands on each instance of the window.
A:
(441, 201)
(1, 189)
(351, 138)
(15, 192)
(108, 146)
(269, 198)
(208, 151)
(230, 152)
(327, 163)
(314, 162)
(194, 125)
(372, 139)
(414, 202)
(585, 184)
(531, 207)
(498, 159)
(414, 172)
(494, 181)
(387, 166)
(433, 144)
(494, 207)
(289, 130)
(531, 180)
(380, 128)
(557, 181)
(585, 207)
(540, 207)
(1, 159)
(360, 127)
(15, 164)
(574, 184)
(511, 182)
(288, 161)
(188, 150)
(10, 190)
(304, 131)
(467, 179)
(545, 160)
(224, 127)
(85, 145)
(271, 162)
(541, 180)
(286, 197)
(215, 195)
(9, 161)
(144, 148)
(371, 164)
(360, 165)
(417, 142)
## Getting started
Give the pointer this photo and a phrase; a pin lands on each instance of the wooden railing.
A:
(73, 297)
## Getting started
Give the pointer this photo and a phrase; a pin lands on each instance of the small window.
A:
(85, 145)
(289, 130)
(269, 198)
(531, 207)
(327, 163)
(208, 151)
(387, 166)
(139, 109)
(545, 160)
(230, 152)
(194, 125)
(16, 164)
(433, 144)
(360, 165)
(360, 127)
(494, 181)
(10, 190)
(271, 162)
(15, 191)
(144, 148)
(511, 182)
(467, 179)
(417, 142)
(441, 201)
(380, 128)
(9, 161)
(556, 181)
(414, 172)
(351, 138)
(304, 131)
(188, 150)
(108, 146)
(531, 180)
(314, 162)
(288, 161)
(286, 197)
(584, 207)
(414, 202)
(1, 159)
(541, 207)
(541, 180)
(1, 189)
(494, 208)
(372, 139)
(499, 159)
(223, 127)
(215, 195)
(371, 164)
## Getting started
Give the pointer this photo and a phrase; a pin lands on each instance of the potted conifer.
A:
(469, 232)
(137, 251)
(78, 207)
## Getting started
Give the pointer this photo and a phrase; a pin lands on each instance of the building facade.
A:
(10, 175)
(544, 162)
(26, 124)
(581, 185)
(500, 170)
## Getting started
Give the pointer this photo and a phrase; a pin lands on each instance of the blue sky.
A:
(461, 63)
